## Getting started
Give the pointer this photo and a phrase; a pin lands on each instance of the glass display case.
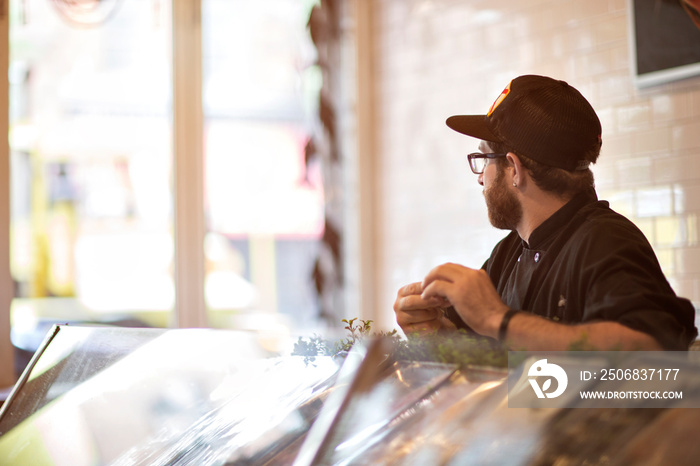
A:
(100, 395)
(125, 396)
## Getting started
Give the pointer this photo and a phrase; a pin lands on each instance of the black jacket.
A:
(587, 263)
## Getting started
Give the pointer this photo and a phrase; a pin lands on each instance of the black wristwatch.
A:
(503, 328)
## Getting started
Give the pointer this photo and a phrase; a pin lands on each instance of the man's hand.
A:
(472, 294)
(414, 314)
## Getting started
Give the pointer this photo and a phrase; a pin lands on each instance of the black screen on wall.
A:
(665, 36)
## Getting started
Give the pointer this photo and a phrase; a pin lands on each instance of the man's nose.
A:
(480, 179)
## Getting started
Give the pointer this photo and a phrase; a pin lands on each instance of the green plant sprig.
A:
(460, 347)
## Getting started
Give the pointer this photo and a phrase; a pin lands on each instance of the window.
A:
(264, 208)
(92, 165)
(91, 228)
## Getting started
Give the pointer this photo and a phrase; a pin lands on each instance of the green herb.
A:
(460, 347)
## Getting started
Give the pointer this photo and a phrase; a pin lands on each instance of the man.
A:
(571, 270)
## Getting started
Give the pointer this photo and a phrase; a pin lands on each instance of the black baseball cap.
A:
(541, 118)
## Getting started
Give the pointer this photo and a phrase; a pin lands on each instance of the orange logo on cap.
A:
(500, 98)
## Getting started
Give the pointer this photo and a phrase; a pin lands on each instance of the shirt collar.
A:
(560, 218)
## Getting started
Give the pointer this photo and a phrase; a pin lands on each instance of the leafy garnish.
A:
(460, 347)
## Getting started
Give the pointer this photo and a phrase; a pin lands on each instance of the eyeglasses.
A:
(477, 161)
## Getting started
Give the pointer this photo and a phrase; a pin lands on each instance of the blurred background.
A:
(93, 197)
(324, 176)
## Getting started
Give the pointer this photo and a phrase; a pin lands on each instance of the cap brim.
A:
(472, 125)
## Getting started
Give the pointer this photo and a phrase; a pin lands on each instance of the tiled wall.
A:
(435, 58)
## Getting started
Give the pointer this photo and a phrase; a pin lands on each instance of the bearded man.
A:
(572, 269)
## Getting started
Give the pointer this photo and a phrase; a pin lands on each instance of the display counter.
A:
(126, 396)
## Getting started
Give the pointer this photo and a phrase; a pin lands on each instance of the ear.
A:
(518, 171)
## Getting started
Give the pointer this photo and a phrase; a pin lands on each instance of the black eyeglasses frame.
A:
(471, 158)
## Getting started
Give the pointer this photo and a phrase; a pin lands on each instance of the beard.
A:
(505, 210)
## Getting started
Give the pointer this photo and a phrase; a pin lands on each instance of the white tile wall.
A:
(435, 58)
